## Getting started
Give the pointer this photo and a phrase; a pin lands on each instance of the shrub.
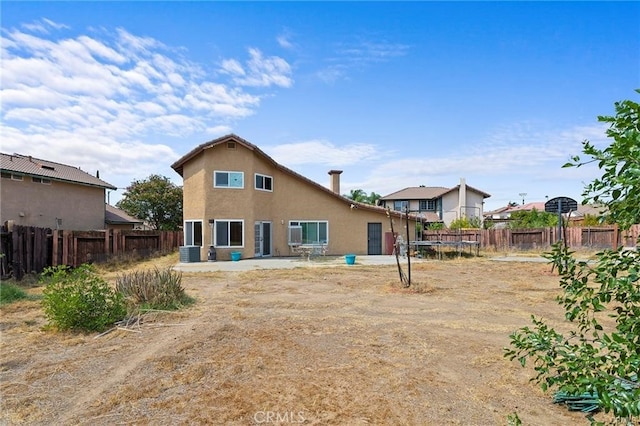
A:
(434, 226)
(156, 288)
(465, 222)
(532, 219)
(10, 293)
(79, 299)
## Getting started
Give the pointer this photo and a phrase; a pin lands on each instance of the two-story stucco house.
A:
(438, 204)
(238, 199)
(45, 194)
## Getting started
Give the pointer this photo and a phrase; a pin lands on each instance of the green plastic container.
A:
(235, 256)
(350, 258)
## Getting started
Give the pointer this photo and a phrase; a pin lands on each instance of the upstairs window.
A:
(224, 179)
(264, 183)
(400, 205)
(12, 176)
(428, 205)
(45, 181)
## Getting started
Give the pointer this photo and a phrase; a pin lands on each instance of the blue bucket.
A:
(350, 258)
(235, 256)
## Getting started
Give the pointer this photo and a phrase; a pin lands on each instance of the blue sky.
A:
(395, 94)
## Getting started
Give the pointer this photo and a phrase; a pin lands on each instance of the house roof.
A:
(426, 193)
(417, 193)
(179, 165)
(497, 211)
(27, 165)
(589, 209)
(539, 206)
(114, 216)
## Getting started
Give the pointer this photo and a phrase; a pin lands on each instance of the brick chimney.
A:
(335, 180)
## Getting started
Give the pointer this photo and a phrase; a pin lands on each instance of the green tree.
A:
(597, 359)
(590, 220)
(618, 187)
(155, 200)
(532, 219)
(373, 198)
(360, 196)
(357, 195)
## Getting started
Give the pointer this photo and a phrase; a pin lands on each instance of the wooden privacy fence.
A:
(540, 238)
(26, 249)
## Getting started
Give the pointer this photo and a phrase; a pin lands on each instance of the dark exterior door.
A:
(374, 238)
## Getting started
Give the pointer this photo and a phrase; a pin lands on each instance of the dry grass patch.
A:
(329, 345)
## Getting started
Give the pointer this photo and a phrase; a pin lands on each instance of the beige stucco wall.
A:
(451, 209)
(474, 205)
(35, 204)
(292, 199)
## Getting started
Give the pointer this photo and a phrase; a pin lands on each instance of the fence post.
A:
(55, 248)
(17, 252)
(116, 242)
(66, 238)
(106, 242)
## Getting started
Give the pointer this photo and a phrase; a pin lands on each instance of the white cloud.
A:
(43, 26)
(115, 101)
(522, 157)
(517, 149)
(358, 55)
(233, 67)
(332, 73)
(284, 41)
(321, 152)
(259, 71)
(371, 51)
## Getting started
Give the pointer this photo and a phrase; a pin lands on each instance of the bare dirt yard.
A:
(328, 345)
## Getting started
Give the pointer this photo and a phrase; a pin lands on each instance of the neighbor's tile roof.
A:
(30, 166)
(426, 193)
(429, 216)
(114, 215)
(417, 193)
(538, 205)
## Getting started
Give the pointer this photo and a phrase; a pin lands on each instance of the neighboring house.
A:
(500, 217)
(45, 194)
(438, 204)
(596, 210)
(119, 219)
(238, 199)
(504, 213)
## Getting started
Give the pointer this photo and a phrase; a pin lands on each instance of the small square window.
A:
(264, 183)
